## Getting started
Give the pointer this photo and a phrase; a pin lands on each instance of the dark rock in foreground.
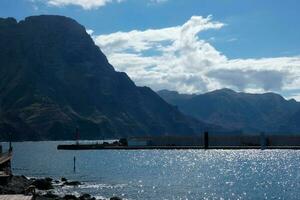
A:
(115, 198)
(70, 197)
(86, 197)
(50, 195)
(43, 184)
(20, 184)
(72, 183)
(15, 185)
(63, 179)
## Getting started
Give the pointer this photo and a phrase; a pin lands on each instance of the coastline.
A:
(43, 188)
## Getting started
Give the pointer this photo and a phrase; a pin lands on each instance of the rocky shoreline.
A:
(42, 188)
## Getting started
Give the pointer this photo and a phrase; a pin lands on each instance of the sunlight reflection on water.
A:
(165, 174)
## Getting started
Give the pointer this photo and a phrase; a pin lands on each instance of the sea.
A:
(164, 174)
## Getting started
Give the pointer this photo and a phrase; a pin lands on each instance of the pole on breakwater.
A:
(262, 141)
(205, 138)
(74, 164)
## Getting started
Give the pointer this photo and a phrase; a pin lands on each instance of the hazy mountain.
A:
(53, 78)
(267, 112)
(291, 124)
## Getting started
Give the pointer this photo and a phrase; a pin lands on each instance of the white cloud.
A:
(90, 31)
(296, 97)
(177, 58)
(85, 4)
(88, 4)
(158, 1)
(232, 40)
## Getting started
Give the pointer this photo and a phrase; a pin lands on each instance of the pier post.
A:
(74, 164)
(205, 140)
(262, 141)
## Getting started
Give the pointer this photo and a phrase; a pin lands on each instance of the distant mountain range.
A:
(53, 78)
(267, 112)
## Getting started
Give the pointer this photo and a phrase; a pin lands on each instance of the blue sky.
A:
(255, 46)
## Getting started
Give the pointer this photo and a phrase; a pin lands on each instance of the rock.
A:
(43, 184)
(115, 198)
(30, 190)
(85, 197)
(15, 185)
(72, 183)
(63, 179)
(48, 179)
(50, 195)
(19, 184)
(70, 197)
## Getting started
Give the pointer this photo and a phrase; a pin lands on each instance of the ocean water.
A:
(166, 174)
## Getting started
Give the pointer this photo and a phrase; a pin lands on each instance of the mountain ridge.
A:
(268, 112)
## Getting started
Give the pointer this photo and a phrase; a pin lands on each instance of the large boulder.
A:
(43, 184)
(15, 185)
(72, 183)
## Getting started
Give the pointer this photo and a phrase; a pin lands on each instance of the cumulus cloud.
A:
(268, 80)
(177, 58)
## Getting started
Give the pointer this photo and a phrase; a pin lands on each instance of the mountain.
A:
(291, 124)
(53, 78)
(267, 112)
(174, 97)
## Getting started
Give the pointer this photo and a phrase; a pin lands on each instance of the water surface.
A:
(166, 174)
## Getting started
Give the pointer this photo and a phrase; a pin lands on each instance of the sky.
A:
(191, 46)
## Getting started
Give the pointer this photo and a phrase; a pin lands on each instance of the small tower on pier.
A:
(263, 141)
(205, 138)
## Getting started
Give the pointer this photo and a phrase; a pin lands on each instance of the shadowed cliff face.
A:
(249, 112)
(53, 78)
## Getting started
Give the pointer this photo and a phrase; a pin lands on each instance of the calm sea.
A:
(166, 174)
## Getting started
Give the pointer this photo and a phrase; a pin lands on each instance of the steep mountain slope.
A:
(249, 112)
(53, 78)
